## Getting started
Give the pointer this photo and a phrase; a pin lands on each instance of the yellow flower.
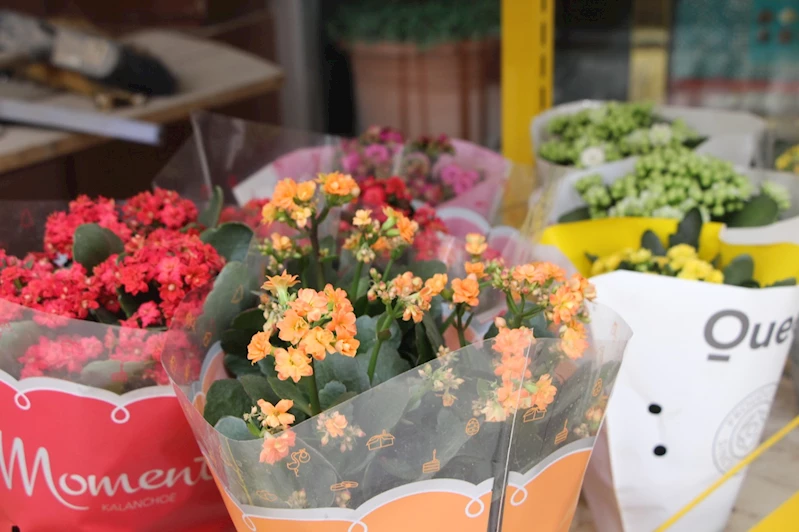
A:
(716, 276)
(362, 218)
(277, 415)
(280, 242)
(640, 256)
(679, 255)
(695, 269)
(475, 244)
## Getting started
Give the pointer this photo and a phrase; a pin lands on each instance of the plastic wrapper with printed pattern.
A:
(729, 135)
(247, 159)
(418, 456)
(698, 380)
(89, 440)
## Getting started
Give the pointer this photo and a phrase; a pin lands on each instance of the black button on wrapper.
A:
(655, 409)
(660, 450)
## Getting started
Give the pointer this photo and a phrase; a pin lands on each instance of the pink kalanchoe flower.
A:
(459, 179)
(64, 356)
(378, 153)
(351, 162)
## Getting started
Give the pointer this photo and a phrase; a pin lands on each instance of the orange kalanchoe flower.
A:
(276, 283)
(259, 347)
(281, 242)
(437, 283)
(305, 191)
(292, 328)
(565, 305)
(276, 448)
(572, 340)
(476, 268)
(338, 184)
(309, 304)
(347, 346)
(545, 392)
(284, 194)
(362, 218)
(466, 290)
(582, 287)
(277, 415)
(292, 364)
(318, 342)
(475, 244)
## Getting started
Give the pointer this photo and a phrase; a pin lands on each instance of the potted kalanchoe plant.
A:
(613, 131)
(668, 183)
(716, 317)
(324, 410)
(83, 325)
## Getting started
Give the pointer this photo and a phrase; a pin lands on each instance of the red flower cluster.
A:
(161, 268)
(34, 282)
(60, 226)
(162, 208)
(64, 355)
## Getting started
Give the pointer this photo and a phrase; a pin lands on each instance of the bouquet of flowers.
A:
(83, 325)
(589, 134)
(788, 161)
(716, 318)
(612, 131)
(247, 160)
(668, 183)
(349, 403)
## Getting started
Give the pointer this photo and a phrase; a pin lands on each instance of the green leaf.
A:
(688, 230)
(288, 390)
(389, 363)
(267, 367)
(427, 268)
(235, 342)
(210, 215)
(234, 428)
(250, 320)
(15, 339)
(103, 315)
(231, 240)
(484, 388)
(577, 215)
(740, 270)
(367, 333)
(93, 244)
(257, 387)
(128, 303)
(590, 257)
(328, 396)
(424, 351)
(226, 397)
(758, 211)
(239, 366)
(100, 373)
(228, 298)
(651, 242)
(432, 332)
(337, 367)
(790, 281)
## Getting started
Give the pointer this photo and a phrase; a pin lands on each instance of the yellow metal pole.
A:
(528, 28)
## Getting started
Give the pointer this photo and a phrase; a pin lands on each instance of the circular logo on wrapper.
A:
(740, 431)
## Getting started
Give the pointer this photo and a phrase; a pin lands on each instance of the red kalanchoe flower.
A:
(65, 356)
(60, 226)
(161, 208)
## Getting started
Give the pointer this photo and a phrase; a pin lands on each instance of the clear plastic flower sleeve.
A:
(730, 135)
(247, 159)
(440, 446)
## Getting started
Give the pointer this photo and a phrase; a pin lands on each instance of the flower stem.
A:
(313, 235)
(382, 325)
(356, 282)
(446, 323)
(519, 314)
(388, 268)
(316, 407)
(459, 326)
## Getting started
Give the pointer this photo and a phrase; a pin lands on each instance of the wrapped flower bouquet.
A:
(590, 134)
(82, 326)
(713, 324)
(352, 407)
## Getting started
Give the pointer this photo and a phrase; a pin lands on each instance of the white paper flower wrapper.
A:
(692, 397)
(415, 463)
(732, 136)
